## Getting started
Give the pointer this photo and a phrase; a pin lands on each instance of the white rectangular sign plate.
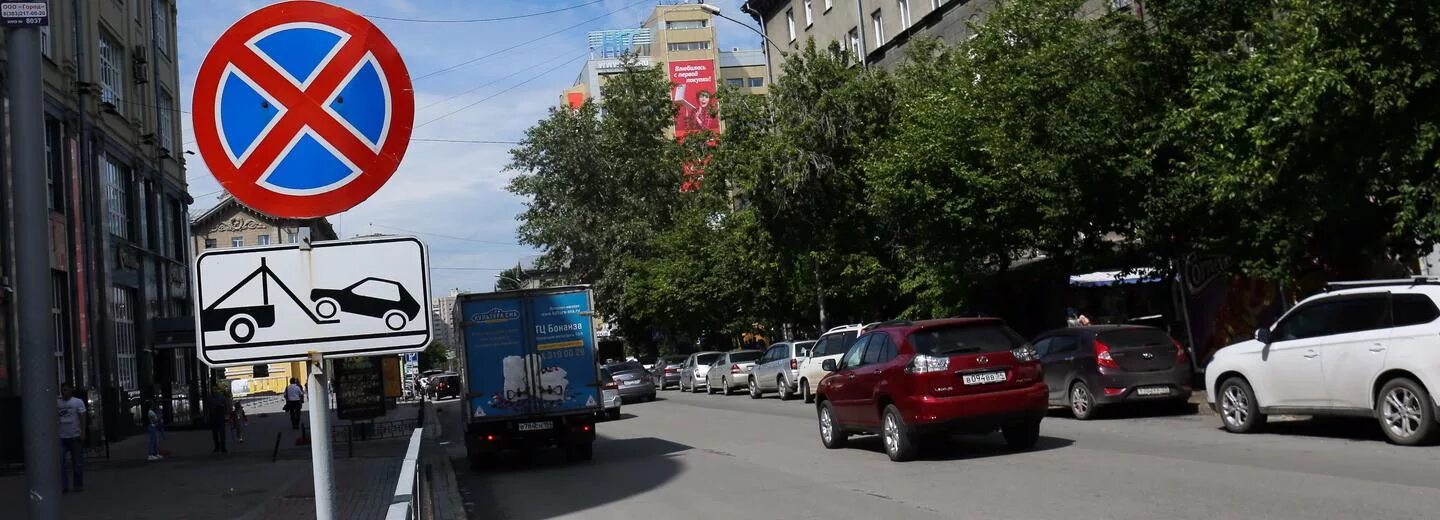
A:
(359, 297)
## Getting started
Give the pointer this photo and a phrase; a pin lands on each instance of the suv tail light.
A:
(923, 364)
(1102, 355)
(735, 369)
(671, 370)
(794, 363)
(1181, 358)
(612, 386)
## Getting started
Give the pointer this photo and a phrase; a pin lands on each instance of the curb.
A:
(443, 500)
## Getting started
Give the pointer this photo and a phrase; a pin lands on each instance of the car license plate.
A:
(632, 382)
(535, 426)
(983, 378)
(1152, 390)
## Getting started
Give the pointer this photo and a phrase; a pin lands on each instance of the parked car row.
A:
(1359, 349)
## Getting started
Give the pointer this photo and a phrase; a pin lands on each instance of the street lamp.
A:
(770, 76)
(503, 276)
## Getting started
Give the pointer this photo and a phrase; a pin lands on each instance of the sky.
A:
(452, 195)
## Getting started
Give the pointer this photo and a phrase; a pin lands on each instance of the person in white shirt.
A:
(72, 417)
(294, 398)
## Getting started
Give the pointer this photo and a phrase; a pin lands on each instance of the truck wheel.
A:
(580, 452)
(242, 329)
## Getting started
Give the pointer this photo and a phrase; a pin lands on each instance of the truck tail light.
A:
(1103, 357)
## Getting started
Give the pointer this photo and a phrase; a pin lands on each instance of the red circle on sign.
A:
(303, 107)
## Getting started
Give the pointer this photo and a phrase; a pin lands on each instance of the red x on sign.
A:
(303, 109)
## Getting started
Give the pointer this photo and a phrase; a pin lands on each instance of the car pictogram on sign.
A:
(373, 297)
(303, 109)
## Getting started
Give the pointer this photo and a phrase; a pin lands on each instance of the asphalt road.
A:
(699, 456)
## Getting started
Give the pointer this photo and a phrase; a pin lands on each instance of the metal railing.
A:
(409, 488)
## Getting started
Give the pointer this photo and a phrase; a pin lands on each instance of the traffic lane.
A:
(637, 473)
(1135, 467)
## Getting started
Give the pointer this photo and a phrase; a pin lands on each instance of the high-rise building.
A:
(117, 196)
(232, 224)
(877, 30)
(681, 40)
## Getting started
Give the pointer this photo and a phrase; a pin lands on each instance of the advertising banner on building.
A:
(692, 84)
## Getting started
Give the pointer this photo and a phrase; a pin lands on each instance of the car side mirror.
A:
(828, 365)
(1262, 335)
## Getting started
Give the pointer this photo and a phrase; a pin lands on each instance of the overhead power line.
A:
(452, 237)
(472, 268)
(463, 141)
(502, 91)
(476, 20)
(522, 44)
(503, 78)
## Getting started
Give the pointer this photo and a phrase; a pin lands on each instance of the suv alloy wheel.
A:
(1238, 408)
(898, 442)
(785, 393)
(831, 435)
(805, 394)
(1406, 414)
(754, 389)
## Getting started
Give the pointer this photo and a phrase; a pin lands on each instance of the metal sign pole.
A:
(321, 461)
(32, 273)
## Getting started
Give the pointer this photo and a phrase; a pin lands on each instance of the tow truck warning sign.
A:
(341, 298)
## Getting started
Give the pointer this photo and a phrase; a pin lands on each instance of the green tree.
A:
(435, 356)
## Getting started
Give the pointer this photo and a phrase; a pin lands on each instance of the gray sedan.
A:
(635, 382)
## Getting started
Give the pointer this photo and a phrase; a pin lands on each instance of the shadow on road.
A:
(532, 486)
(963, 447)
(1133, 411)
(1352, 428)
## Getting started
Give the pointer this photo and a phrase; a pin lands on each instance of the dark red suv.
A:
(914, 380)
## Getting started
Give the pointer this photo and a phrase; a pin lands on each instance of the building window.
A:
(757, 82)
(167, 121)
(685, 24)
(829, 4)
(735, 82)
(60, 323)
(809, 13)
(688, 46)
(210, 243)
(178, 218)
(117, 196)
(122, 310)
(237, 241)
(161, 29)
(292, 237)
(260, 371)
(47, 44)
(54, 166)
(262, 240)
(877, 20)
(854, 37)
(790, 23)
(904, 6)
(112, 76)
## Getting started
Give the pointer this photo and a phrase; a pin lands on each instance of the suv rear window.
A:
(706, 359)
(1126, 338)
(745, 357)
(965, 339)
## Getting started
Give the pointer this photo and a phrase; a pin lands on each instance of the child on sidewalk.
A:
(238, 421)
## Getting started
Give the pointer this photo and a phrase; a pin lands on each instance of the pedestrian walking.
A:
(238, 421)
(294, 399)
(217, 407)
(72, 415)
(155, 429)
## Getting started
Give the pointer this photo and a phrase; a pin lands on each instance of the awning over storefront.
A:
(1107, 278)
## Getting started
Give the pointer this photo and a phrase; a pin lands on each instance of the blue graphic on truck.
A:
(530, 354)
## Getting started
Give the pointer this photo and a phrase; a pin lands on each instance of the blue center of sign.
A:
(310, 165)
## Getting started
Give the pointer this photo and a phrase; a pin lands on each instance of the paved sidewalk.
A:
(242, 484)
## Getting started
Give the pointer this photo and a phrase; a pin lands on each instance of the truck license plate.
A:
(1153, 390)
(535, 426)
(983, 378)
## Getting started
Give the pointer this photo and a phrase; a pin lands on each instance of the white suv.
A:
(1360, 348)
(831, 345)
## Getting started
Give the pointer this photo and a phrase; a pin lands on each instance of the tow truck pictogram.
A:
(241, 322)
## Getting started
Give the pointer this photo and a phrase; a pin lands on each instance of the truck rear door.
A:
(563, 340)
(495, 354)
